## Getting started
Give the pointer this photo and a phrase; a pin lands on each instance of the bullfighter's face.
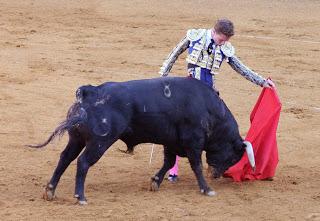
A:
(223, 156)
(219, 38)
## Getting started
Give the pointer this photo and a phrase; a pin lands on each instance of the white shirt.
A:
(209, 38)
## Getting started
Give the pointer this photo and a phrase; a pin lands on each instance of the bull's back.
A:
(167, 93)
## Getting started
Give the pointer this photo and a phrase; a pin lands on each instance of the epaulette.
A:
(227, 49)
(195, 34)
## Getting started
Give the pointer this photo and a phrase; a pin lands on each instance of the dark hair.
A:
(224, 26)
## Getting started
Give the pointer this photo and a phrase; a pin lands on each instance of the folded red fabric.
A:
(264, 120)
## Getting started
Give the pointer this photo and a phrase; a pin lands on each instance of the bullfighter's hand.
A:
(269, 84)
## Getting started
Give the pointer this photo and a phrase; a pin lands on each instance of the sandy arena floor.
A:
(48, 48)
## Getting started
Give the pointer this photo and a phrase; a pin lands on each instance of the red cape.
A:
(264, 120)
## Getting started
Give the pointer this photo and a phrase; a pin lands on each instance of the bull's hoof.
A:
(48, 193)
(81, 202)
(208, 192)
(211, 193)
(154, 186)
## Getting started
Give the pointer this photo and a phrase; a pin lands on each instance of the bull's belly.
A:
(178, 150)
(137, 137)
(141, 135)
(148, 128)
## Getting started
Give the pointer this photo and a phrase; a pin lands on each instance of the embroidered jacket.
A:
(196, 41)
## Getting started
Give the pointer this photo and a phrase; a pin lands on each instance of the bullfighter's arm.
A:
(246, 72)
(173, 56)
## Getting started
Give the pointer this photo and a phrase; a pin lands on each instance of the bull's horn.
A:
(250, 154)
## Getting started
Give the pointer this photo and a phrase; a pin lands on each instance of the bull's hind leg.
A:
(72, 150)
(168, 163)
(93, 152)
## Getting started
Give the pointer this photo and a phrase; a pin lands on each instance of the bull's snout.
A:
(212, 172)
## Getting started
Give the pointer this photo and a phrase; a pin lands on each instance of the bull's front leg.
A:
(194, 157)
(168, 163)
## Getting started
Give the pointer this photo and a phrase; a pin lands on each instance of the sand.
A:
(50, 48)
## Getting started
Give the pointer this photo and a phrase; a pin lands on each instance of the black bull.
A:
(183, 114)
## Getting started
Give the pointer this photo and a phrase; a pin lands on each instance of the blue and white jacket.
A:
(197, 42)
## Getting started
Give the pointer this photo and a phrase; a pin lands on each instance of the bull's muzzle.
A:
(213, 173)
(250, 154)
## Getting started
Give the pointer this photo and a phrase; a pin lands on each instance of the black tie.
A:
(210, 47)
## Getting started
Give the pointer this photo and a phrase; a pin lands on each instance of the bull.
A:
(184, 115)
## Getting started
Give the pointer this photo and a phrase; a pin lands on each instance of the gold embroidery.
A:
(200, 57)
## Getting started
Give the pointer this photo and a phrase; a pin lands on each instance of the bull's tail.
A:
(76, 115)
